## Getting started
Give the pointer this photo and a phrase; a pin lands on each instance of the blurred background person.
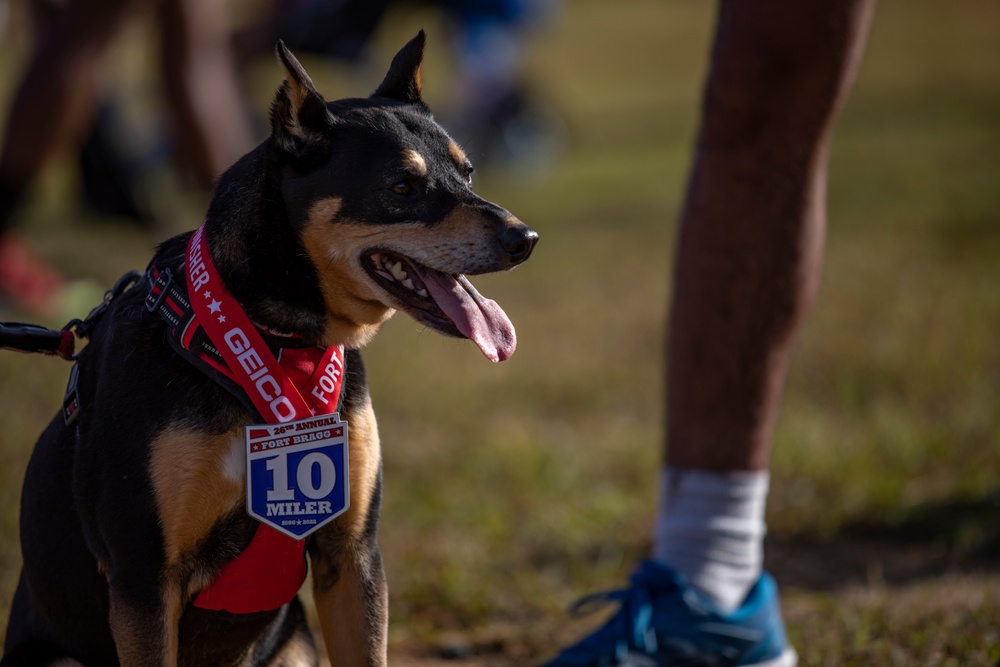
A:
(65, 103)
(57, 101)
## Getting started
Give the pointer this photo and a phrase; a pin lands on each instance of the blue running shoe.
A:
(663, 622)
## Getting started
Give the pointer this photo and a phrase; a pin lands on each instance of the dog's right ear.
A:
(299, 118)
(403, 81)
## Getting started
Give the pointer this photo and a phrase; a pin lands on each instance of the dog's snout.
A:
(518, 242)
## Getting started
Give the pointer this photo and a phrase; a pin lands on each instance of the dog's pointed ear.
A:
(299, 117)
(403, 81)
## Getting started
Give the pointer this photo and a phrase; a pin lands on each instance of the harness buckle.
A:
(71, 400)
(164, 280)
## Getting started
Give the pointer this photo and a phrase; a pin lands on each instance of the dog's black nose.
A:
(518, 242)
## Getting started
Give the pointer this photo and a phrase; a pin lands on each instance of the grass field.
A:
(513, 489)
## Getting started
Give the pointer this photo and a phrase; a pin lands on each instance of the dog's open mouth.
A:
(447, 302)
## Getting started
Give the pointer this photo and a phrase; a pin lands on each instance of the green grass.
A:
(512, 489)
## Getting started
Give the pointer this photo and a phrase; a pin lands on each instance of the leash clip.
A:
(85, 327)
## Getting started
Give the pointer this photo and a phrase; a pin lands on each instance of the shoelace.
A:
(634, 617)
(628, 638)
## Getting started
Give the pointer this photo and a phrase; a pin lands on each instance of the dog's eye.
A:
(403, 188)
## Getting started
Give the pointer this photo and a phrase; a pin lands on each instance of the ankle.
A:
(711, 529)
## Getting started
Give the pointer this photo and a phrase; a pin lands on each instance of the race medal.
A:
(297, 475)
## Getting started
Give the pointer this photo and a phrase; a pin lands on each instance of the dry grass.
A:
(512, 489)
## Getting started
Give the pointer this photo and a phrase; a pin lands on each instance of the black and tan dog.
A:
(351, 209)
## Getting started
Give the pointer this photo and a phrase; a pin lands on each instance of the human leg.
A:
(54, 102)
(202, 88)
(748, 265)
(752, 227)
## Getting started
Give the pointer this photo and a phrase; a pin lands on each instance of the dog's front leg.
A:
(348, 579)
(352, 603)
(144, 624)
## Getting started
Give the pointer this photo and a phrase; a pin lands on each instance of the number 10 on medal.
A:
(304, 476)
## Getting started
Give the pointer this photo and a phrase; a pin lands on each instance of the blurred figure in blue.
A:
(494, 114)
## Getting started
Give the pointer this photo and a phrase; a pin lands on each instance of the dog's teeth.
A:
(422, 292)
(397, 272)
(408, 283)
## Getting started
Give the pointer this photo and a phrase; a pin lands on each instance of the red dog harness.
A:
(212, 331)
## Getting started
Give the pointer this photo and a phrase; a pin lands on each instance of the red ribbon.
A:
(249, 359)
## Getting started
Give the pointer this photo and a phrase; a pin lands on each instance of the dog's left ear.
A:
(403, 81)
(299, 117)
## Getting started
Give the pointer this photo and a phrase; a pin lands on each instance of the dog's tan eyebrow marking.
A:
(414, 163)
(458, 155)
(325, 210)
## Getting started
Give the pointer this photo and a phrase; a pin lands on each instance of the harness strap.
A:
(168, 297)
(32, 338)
(270, 570)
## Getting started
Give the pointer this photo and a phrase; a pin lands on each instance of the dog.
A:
(135, 502)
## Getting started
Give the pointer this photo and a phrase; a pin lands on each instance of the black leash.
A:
(22, 337)
(32, 338)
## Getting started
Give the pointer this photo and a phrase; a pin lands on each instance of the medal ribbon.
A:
(271, 569)
(250, 360)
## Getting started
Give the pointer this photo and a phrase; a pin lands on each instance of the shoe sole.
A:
(787, 659)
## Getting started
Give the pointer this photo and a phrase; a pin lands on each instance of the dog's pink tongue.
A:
(478, 318)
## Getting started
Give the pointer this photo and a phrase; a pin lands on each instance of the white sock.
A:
(711, 529)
